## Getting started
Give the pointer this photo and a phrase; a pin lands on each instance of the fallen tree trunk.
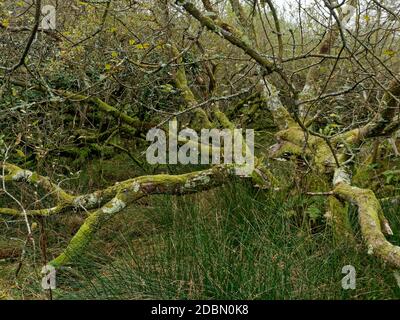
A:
(131, 191)
(112, 200)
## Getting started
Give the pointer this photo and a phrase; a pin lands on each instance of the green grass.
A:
(231, 243)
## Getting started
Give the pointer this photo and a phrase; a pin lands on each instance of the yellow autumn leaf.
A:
(142, 46)
(132, 42)
(107, 67)
(5, 23)
(389, 52)
(114, 54)
(367, 18)
(20, 153)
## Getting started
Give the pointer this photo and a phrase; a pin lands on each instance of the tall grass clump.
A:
(232, 243)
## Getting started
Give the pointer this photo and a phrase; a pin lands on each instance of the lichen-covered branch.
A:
(181, 83)
(17, 174)
(38, 212)
(371, 219)
(111, 200)
(270, 95)
(132, 190)
(229, 33)
(132, 122)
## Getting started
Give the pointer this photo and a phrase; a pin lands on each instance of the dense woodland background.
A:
(318, 81)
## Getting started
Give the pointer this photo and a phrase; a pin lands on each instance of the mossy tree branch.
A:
(229, 33)
(132, 122)
(111, 200)
(372, 221)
